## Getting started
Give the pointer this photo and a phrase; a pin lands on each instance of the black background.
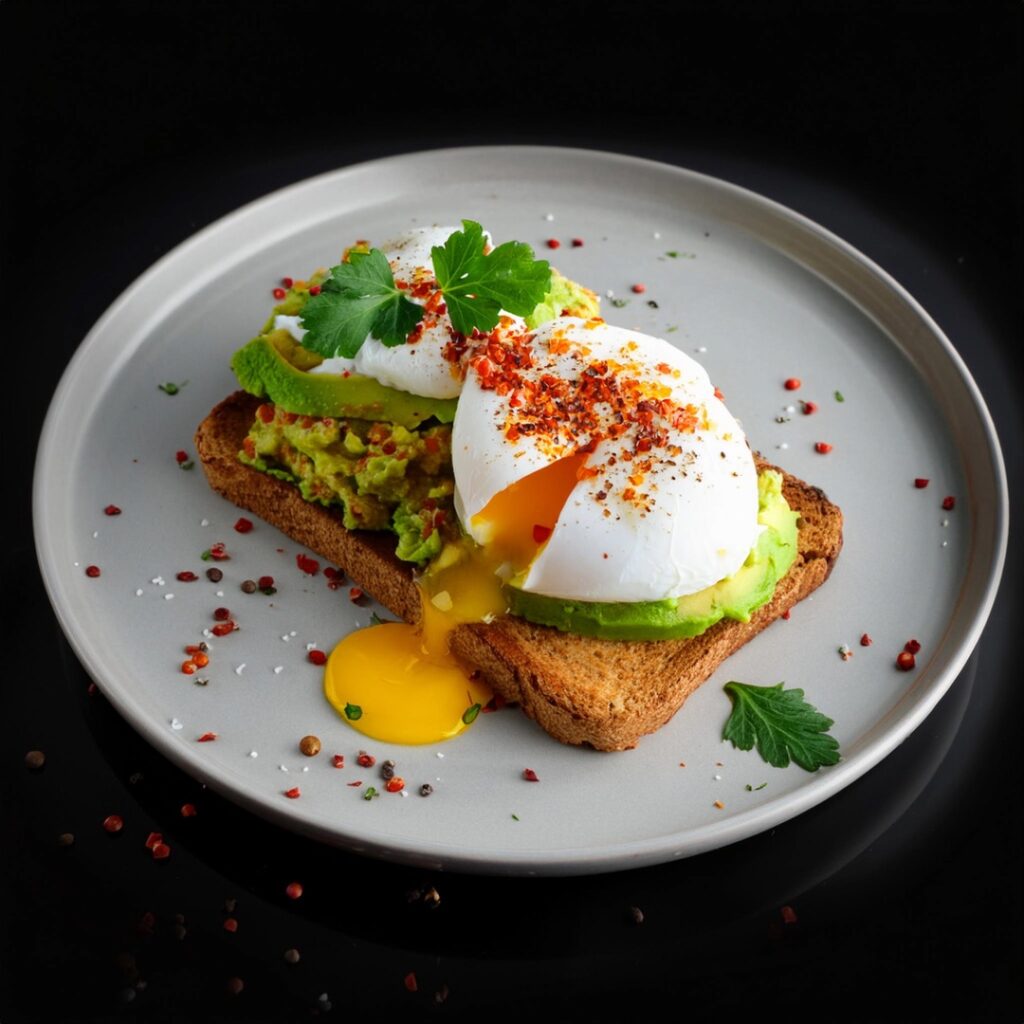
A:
(131, 125)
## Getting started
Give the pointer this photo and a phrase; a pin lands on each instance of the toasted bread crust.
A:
(581, 690)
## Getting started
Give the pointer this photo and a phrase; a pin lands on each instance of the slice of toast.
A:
(582, 690)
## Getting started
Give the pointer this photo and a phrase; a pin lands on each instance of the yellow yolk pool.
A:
(399, 683)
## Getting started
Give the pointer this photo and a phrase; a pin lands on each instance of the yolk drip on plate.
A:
(399, 683)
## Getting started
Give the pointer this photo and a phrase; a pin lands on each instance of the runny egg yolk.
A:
(400, 683)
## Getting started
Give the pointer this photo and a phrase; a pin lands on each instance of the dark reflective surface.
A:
(138, 127)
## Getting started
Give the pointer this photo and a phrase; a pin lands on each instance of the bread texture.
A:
(581, 690)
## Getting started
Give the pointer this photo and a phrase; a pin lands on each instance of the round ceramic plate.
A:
(751, 289)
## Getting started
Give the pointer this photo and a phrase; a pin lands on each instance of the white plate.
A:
(757, 292)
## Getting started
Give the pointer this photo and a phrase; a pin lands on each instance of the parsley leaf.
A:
(360, 298)
(782, 725)
(477, 287)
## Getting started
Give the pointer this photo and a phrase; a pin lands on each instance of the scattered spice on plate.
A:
(111, 510)
(113, 823)
(294, 793)
(822, 447)
(310, 745)
(792, 383)
(92, 571)
(530, 775)
(865, 640)
(949, 503)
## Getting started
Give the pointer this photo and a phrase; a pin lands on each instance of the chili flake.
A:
(577, 243)
(638, 288)
(365, 760)
(293, 890)
(553, 243)
(822, 447)
(230, 924)
(279, 294)
(112, 510)
(395, 784)
(161, 851)
(317, 657)
(286, 282)
(809, 408)
(113, 823)
(865, 640)
(243, 525)
(188, 810)
(921, 482)
(949, 503)
(310, 566)
(912, 646)
(905, 661)
(187, 576)
(181, 456)
(92, 571)
(792, 383)
(294, 793)
(530, 775)
(410, 982)
(338, 760)
(207, 737)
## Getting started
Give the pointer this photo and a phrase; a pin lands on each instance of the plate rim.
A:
(563, 861)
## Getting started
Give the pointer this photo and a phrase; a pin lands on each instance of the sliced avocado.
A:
(735, 597)
(564, 297)
(263, 370)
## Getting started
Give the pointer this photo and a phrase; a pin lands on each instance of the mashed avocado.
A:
(736, 597)
(381, 475)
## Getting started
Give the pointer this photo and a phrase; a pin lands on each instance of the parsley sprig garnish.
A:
(781, 724)
(360, 297)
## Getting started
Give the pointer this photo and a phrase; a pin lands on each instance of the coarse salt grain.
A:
(240, 669)
(158, 580)
(204, 522)
(176, 724)
(139, 592)
(283, 767)
(254, 753)
(278, 669)
(168, 597)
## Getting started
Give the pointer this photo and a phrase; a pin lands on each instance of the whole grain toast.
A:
(581, 690)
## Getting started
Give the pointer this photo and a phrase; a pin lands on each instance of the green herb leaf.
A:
(377, 620)
(477, 287)
(469, 715)
(369, 793)
(515, 817)
(360, 298)
(353, 712)
(839, 397)
(781, 724)
(170, 388)
(619, 303)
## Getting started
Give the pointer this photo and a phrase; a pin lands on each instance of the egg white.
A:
(699, 522)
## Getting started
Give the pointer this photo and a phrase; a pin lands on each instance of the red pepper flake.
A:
(112, 510)
(809, 408)
(822, 447)
(786, 614)
(865, 640)
(243, 525)
(201, 659)
(310, 566)
(189, 667)
(355, 594)
(410, 982)
(577, 243)
(230, 924)
(719, 395)
(792, 383)
(395, 784)
(207, 737)
(540, 533)
(719, 805)
(356, 784)
(223, 628)
(293, 890)
(218, 552)
(788, 915)
(113, 823)
(553, 243)
(365, 760)
(187, 576)
(949, 503)
(161, 851)
(338, 760)
(905, 661)
(152, 839)
(294, 793)
(188, 810)
(638, 289)
(286, 282)
(317, 657)
(180, 456)
(314, 290)
(279, 293)
(912, 646)
(265, 582)
(92, 571)
(530, 775)
(921, 482)
(221, 614)
(496, 703)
